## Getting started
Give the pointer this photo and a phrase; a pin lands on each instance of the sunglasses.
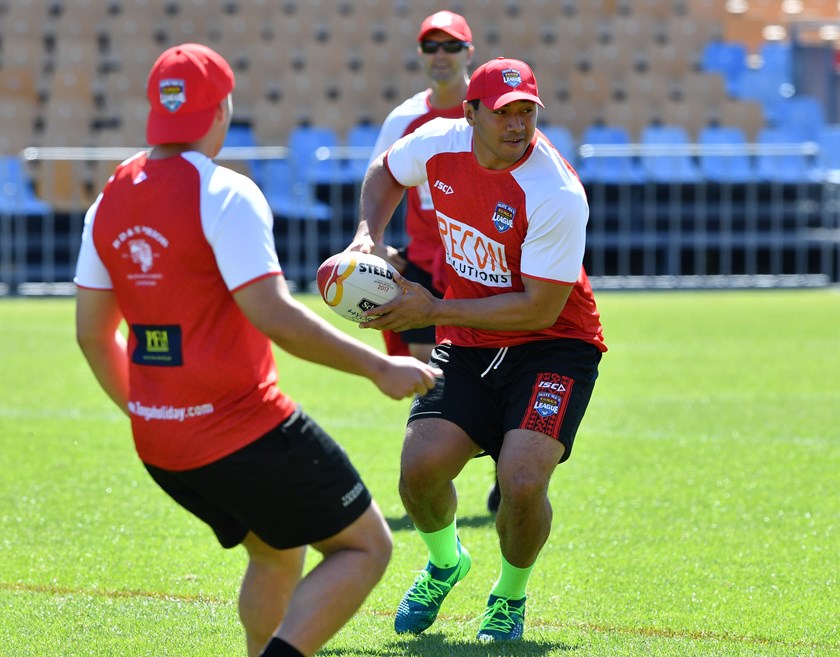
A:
(431, 47)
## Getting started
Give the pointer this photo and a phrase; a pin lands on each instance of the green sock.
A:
(512, 581)
(443, 546)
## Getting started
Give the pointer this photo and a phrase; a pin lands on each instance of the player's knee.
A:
(521, 489)
(418, 472)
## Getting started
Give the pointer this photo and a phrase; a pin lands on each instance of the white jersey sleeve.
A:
(237, 222)
(90, 272)
(408, 156)
(558, 212)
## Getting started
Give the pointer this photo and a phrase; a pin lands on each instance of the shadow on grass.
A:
(404, 524)
(436, 645)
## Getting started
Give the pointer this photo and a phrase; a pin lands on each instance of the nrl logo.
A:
(511, 77)
(503, 217)
(173, 94)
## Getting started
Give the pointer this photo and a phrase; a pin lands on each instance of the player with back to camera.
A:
(446, 51)
(519, 336)
(182, 250)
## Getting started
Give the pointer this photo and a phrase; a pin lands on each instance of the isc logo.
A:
(446, 189)
(548, 385)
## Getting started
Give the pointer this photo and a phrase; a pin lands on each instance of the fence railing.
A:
(642, 233)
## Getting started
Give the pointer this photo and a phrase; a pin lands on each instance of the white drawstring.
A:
(497, 360)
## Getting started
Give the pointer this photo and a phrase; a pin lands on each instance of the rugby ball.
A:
(352, 282)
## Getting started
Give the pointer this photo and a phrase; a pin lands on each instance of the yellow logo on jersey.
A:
(157, 345)
(157, 341)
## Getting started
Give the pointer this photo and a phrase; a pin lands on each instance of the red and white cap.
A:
(453, 24)
(501, 81)
(185, 86)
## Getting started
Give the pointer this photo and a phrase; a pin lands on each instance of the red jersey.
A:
(173, 238)
(497, 226)
(423, 247)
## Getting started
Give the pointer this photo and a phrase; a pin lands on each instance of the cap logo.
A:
(173, 93)
(511, 77)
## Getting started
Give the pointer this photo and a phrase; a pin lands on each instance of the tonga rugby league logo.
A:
(173, 93)
(503, 217)
(549, 400)
(511, 77)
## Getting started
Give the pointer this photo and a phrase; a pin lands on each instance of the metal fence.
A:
(641, 234)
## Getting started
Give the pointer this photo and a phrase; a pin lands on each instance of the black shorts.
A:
(293, 486)
(425, 335)
(543, 386)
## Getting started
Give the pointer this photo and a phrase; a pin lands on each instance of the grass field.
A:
(699, 514)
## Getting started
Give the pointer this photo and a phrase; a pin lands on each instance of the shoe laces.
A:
(426, 589)
(500, 616)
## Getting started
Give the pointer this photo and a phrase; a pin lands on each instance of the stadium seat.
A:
(16, 191)
(758, 84)
(734, 166)
(562, 140)
(611, 168)
(241, 135)
(802, 115)
(288, 197)
(728, 59)
(310, 156)
(783, 167)
(362, 138)
(764, 87)
(17, 118)
(828, 158)
(664, 166)
(777, 60)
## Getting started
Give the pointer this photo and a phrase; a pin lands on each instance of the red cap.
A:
(185, 86)
(501, 81)
(453, 24)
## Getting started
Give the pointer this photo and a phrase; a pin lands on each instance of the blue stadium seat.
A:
(17, 195)
(828, 159)
(362, 136)
(312, 165)
(783, 167)
(668, 168)
(767, 88)
(607, 169)
(802, 115)
(728, 59)
(242, 135)
(777, 58)
(290, 198)
(562, 140)
(735, 167)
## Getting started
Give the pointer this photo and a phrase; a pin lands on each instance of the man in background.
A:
(182, 250)
(446, 51)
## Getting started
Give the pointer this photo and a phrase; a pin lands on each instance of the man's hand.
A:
(365, 244)
(405, 376)
(414, 308)
(392, 255)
